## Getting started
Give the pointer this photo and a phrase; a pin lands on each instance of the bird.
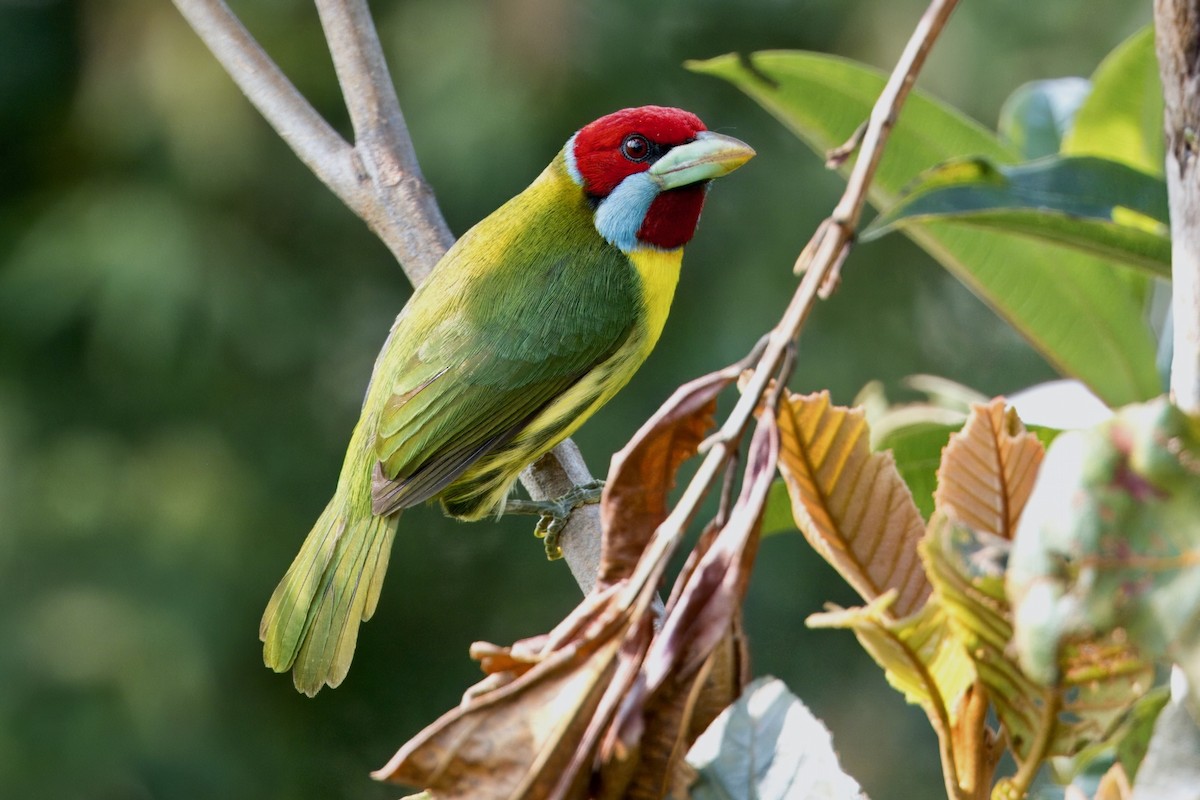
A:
(528, 324)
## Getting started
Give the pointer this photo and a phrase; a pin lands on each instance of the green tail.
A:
(311, 622)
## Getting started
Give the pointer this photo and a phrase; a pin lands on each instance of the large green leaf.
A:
(1074, 307)
(1122, 119)
(1094, 205)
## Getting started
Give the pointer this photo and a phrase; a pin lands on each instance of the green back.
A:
(523, 306)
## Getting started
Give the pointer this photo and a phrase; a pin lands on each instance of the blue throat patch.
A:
(619, 216)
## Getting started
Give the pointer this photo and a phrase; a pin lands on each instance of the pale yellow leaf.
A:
(851, 504)
(987, 470)
(919, 656)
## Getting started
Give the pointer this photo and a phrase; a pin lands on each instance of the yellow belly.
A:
(483, 487)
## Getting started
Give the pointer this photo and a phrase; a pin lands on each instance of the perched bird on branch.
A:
(532, 321)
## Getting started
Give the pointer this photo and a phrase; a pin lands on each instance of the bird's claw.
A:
(553, 514)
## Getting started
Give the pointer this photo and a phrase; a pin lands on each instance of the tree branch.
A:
(311, 138)
(405, 214)
(1177, 40)
(380, 180)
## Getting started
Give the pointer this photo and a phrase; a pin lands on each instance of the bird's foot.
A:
(553, 514)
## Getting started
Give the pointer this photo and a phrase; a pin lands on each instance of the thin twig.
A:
(406, 215)
(820, 258)
(311, 138)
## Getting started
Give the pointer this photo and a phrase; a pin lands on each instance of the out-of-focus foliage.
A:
(1046, 291)
(1089, 204)
(1112, 542)
(188, 319)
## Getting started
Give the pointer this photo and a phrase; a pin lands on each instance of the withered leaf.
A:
(987, 470)
(851, 504)
(662, 712)
(519, 739)
(643, 472)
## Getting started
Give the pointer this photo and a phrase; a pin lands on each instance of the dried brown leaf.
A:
(673, 718)
(851, 504)
(704, 609)
(695, 664)
(518, 735)
(643, 472)
(988, 469)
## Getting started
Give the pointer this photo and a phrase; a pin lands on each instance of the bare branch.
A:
(314, 141)
(1177, 37)
(405, 214)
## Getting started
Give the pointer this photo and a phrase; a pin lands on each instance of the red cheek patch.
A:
(671, 220)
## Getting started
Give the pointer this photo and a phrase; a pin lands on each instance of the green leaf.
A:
(1096, 206)
(1122, 119)
(777, 516)
(919, 656)
(768, 746)
(1077, 309)
(1035, 118)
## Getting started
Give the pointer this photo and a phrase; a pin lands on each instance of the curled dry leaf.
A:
(517, 734)
(851, 504)
(643, 472)
(532, 728)
(672, 719)
(704, 608)
(695, 664)
(987, 470)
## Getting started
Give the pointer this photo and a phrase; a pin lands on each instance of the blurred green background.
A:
(188, 318)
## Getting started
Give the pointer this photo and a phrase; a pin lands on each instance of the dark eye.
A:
(635, 147)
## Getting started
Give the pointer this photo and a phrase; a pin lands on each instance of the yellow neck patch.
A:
(659, 271)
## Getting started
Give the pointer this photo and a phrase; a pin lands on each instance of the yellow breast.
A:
(659, 271)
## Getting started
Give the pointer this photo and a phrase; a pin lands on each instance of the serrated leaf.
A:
(1096, 206)
(1122, 118)
(1100, 680)
(1036, 117)
(988, 470)
(851, 504)
(1077, 309)
(768, 746)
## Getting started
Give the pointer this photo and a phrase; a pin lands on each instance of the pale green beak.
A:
(710, 156)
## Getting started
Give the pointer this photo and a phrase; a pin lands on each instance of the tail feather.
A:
(311, 622)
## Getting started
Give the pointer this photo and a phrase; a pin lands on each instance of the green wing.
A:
(488, 343)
